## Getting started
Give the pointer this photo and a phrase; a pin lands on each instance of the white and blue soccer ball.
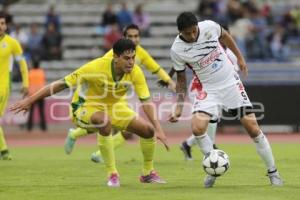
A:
(216, 162)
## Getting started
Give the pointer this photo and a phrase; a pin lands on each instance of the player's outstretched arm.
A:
(181, 92)
(149, 110)
(230, 43)
(24, 105)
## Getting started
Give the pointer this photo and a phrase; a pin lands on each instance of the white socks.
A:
(211, 132)
(264, 151)
(205, 143)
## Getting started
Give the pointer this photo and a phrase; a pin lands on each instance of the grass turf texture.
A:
(47, 173)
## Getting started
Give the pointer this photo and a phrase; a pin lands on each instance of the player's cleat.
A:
(153, 177)
(209, 181)
(96, 158)
(113, 180)
(275, 178)
(69, 142)
(187, 152)
(5, 155)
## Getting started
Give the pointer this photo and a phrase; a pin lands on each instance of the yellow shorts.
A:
(119, 114)
(4, 95)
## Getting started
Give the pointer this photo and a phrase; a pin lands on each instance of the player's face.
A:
(2, 26)
(133, 35)
(126, 61)
(190, 34)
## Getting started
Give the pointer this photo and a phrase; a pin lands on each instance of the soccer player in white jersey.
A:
(195, 88)
(198, 47)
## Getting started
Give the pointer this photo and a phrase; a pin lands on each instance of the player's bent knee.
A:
(149, 131)
(102, 123)
(198, 129)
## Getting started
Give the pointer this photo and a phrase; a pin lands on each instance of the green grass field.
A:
(47, 173)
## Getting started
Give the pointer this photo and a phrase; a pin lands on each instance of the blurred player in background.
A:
(9, 47)
(100, 103)
(143, 59)
(198, 47)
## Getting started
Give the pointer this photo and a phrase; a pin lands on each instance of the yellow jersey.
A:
(144, 59)
(96, 84)
(11, 47)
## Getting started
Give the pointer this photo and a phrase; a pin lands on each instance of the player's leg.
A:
(236, 97)
(186, 146)
(145, 130)
(263, 147)
(118, 140)
(102, 122)
(4, 152)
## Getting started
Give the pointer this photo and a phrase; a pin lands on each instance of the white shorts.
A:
(213, 102)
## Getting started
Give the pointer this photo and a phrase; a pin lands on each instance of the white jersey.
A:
(206, 58)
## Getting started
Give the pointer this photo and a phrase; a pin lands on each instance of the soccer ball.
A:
(216, 162)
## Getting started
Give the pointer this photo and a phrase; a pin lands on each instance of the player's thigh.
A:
(200, 122)
(121, 115)
(4, 94)
(141, 127)
(250, 123)
(235, 96)
(91, 118)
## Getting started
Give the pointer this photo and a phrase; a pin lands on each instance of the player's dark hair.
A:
(123, 45)
(130, 26)
(186, 20)
(2, 15)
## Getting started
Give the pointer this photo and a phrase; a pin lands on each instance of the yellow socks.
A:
(78, 132)
(107, 150)
(3, 145)
(118, 140)
(147, 147)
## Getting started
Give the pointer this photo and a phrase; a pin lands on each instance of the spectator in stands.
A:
(8, 17)
(142, 20)
(295, 14)
(111, 37)
(258, 44)
(278, 44)
(241, 31)
(53, 18)
(51, 43)
(37, 80)
(19, 34)
(109, 17)
(34, 42)
(124, 16)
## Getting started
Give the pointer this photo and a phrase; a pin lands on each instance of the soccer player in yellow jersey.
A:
(9, 47)
(142, 59)
(100, 103)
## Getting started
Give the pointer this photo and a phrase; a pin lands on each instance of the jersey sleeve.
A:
(109, 54)
(85, 72)
(140, 84)
(18, 55)
(215, 27)
(146, 60)
(178, 64)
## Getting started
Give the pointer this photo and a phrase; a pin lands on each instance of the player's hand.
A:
(20, 106)
(174, 116)
(162, 83)
(160, 135)
(243, 66)
(24, 91)
(172, 86)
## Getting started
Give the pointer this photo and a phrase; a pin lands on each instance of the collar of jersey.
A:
(2, 37)
(113, 72)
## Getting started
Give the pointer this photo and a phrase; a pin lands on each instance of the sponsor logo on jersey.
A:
(210, 58)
